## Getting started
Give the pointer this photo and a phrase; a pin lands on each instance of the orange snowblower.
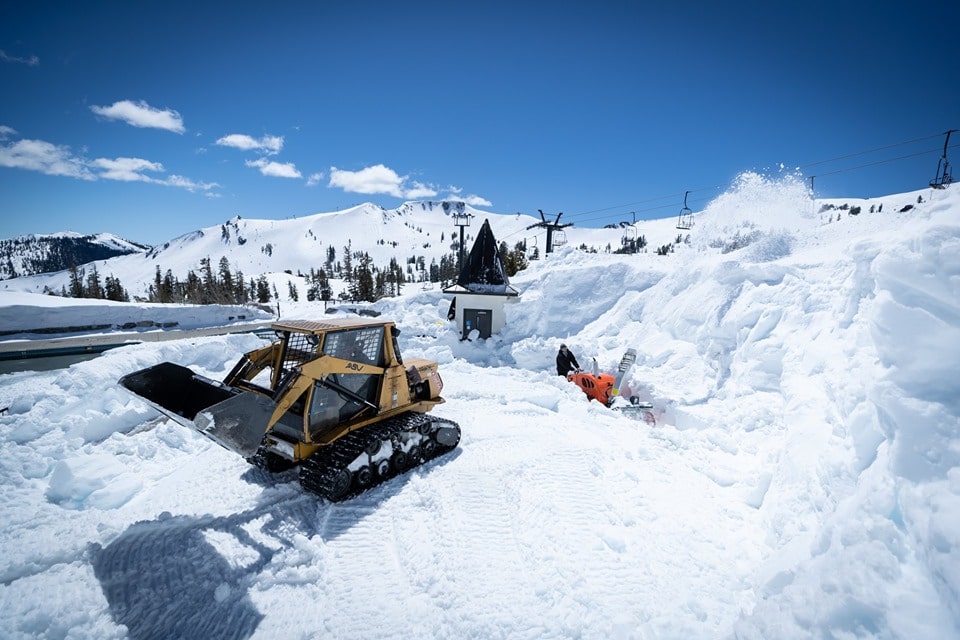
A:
(599, 387)
(605, 388)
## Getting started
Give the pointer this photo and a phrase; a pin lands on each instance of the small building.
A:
(482, 289)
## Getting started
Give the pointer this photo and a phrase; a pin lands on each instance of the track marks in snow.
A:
(165, 579)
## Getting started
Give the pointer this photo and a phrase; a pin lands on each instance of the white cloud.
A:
(472, 200)
(126, 169)
(270, 145)
(6, 132)
(379, 179)
(54, 160)
(370, 180)
(190, 185)
(140, 114)
(32, 61)
(275, 169)
(420, 190)
(133, 170)
(477, 201)
(314, 179)
(37, 155)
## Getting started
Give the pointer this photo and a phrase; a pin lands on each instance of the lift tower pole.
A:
(550, 227)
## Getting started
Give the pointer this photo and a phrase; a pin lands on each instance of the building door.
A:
(479, 319)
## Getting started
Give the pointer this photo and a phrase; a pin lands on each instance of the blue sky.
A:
(152, 119)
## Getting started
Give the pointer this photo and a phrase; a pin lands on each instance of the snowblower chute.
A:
(335, 397)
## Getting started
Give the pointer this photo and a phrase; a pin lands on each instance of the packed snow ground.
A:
(802, 479)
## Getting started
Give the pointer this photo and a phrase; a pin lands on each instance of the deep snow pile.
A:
(802, 480)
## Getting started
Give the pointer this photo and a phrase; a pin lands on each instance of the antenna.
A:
(685, 219)
(944, 173)
(552, 228)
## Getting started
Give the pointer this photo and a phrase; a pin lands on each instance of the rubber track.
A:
(319, 472)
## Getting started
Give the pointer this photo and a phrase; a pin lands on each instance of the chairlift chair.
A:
(944, 172)
(559, 238)
(629, 237)
(685, 219)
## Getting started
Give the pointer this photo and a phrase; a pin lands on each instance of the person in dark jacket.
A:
(566, 361)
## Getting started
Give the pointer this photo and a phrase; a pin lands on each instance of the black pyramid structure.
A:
(483, 270)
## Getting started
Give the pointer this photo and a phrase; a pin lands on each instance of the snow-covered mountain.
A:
(416, 233)
(35, 254)
(802, 479)
(281, 249)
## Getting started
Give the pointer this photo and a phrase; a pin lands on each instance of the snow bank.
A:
(24, 313)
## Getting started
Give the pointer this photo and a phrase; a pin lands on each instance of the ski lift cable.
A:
(860, 153)
(871, 164)
(653, 199)
(648, 209)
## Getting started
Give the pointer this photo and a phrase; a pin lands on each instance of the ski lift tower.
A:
(461, 219)
(555, 234)
(944, 173)
(685, 219)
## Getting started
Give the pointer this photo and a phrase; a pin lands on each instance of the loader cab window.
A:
(364, 345)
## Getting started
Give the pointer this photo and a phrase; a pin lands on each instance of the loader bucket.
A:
(233, 419)
(238, 423)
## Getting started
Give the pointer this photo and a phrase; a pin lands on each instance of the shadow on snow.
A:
(165, 578)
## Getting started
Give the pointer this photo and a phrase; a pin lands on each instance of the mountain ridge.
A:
(417, 234)
(41, 253)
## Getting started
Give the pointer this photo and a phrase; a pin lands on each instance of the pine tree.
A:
(226, 281)
(193, 290)
(513, 261)
(348, 262)
(326, 291)
(313, 287)
(208, 292)
(114, 290)
(239, 291)
(263, 290)
(394, 278)
(154, 294)
(380, 285)
(94, 288)
(363, 286)
(76, 282)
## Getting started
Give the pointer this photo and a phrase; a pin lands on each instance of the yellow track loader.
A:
(334, 397)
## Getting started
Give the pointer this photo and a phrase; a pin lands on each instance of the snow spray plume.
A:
(753, 207)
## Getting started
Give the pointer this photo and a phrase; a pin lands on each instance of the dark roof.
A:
(483, 270)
